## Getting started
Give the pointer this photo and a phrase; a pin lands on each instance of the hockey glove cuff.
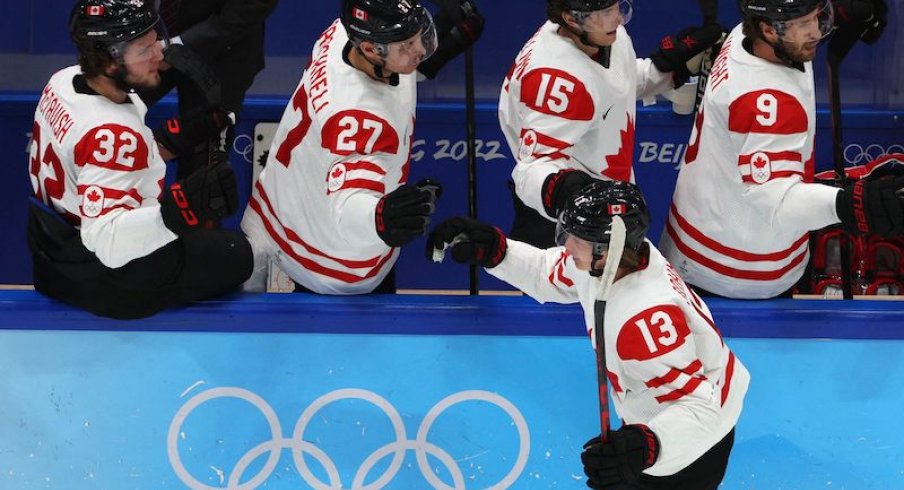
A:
(559, 187)
(675, 51)
(194, 133)
(209, 194)
(621, 459)
(403, 214)
(472, 242)
(872, 206)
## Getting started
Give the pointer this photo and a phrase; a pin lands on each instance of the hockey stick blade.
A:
(613, 257)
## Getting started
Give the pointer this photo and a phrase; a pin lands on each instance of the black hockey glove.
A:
(403, 214)
(867, 17)
(194, 133)
(873, 205)
(455, 36)
(621, 459)
(561, 186)
(209, 194)
(472, 242)
(675, 51)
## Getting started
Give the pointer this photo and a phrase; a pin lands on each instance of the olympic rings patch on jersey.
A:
(93, 201)
(528, 145)
(336, 177)
(760, 168)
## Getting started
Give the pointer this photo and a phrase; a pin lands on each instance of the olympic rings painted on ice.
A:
(299, 446)
(859, 155)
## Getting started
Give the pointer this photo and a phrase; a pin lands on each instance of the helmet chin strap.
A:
(603, 54)
(392, 78)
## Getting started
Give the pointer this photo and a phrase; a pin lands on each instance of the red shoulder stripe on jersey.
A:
(729, 374)
(767, 112)
(310, 264)
(293, 236)
(731, 271)
(679, 393)
(728, 251)
(673, 374)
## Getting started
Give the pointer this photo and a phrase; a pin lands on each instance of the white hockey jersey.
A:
(95, 162)
(561, 109)
(743, 205)
(342, 144)
(666, 361)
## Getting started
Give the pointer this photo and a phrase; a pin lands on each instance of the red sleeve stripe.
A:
(789, 156)
(673, 374)
(558, 272)
(371, 185)
(729, 374)
(367, 166)
(685, 390)
(310, 264)
(114, 194)
(733, 253)
(774, 175)
(724, 270)
(293, 236)
(108, 210)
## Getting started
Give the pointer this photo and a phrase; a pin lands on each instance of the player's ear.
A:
(768, 32)
(368, 48)
(571, 21)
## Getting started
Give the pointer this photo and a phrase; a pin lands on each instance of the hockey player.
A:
(744, 202)
(568, 105)
(678, 388)
(104, 233)
(332, 207)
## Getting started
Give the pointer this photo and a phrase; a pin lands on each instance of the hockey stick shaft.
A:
(710, 11)
(453, 8)
(613, 258)
(839, 46)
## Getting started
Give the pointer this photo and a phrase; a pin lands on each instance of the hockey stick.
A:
(454, 9)
(613, 257)
(710, 11)
(839, 46)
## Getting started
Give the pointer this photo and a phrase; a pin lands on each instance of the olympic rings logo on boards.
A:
(855, 154)
(299, 446)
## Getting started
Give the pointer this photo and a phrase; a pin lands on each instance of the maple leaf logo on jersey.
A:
(93, 202)
(336, 177)
(619, 165)
(528, 145)
(760, 168)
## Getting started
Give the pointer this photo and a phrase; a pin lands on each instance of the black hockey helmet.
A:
(589, 215)
(385, 21)
(102, 24)
(778, 10)
(581, 9)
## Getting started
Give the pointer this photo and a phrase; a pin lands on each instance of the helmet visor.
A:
(807, 28)
(142, 49)
(415, 49)
(607, 19)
